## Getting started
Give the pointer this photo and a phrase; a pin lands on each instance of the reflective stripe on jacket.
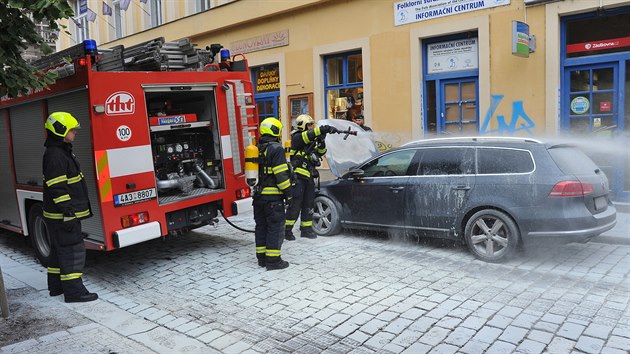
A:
(300, 140)
(65, 189)
(275, 175)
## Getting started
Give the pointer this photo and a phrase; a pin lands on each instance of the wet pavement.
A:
(204, 293)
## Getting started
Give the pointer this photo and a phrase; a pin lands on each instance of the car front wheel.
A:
(491, 235)
(326, 220)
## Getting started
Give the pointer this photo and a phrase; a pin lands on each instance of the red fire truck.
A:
(161, 143)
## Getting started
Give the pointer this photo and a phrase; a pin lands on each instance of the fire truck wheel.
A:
(38, 233)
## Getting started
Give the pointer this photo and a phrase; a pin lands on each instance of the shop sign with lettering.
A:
(264, 41)
(452, 56)
(267, 79)
(419, 10)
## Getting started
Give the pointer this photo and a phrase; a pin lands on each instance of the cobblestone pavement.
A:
(204, 292)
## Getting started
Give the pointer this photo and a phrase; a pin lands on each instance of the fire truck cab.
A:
(163, 130)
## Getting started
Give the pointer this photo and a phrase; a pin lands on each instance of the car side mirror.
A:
(356, 173)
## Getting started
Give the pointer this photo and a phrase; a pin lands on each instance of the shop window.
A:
(601, 34)
(203, 5)
(118, 19)
(344, 85)
(300, 104)
(82, 29)
(156, 13)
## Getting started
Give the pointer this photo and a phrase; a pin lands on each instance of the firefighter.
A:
(274, 187)
(65, 204)
(307, 147)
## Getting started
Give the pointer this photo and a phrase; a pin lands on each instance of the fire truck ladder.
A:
(60, 57)
(154, 55)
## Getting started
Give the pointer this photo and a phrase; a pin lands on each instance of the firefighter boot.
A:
(288, 234)
(74, 291)
(54, 283)
(261, 259)
(308, 233)
(277, 263)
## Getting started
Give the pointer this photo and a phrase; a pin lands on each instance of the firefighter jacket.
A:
(274, 172)
(65, 189)
(306, 148)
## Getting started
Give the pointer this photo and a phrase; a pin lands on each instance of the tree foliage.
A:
(17, 33)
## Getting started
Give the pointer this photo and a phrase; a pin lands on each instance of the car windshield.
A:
(345, 152)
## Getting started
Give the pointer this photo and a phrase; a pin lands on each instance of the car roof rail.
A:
(475, 138)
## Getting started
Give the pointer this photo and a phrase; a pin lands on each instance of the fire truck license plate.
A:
(134, 197)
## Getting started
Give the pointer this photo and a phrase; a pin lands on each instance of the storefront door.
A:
(458, 109)
(450, 83)
(595, 90)
(594, 104)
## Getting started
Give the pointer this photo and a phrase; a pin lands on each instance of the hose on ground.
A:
(233, 225)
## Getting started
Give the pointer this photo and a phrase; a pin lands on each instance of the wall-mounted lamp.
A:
(296, 84)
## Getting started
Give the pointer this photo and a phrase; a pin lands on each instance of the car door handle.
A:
(396, 189)
(462, 188)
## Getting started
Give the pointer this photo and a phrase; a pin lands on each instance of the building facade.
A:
(414, 68)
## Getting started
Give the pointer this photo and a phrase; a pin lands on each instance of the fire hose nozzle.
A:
(348, 132)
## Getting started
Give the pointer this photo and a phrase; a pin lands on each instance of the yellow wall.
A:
(392, 55)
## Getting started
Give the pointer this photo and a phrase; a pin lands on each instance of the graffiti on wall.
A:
(518, 123)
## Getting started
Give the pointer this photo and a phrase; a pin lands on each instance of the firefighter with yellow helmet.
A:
(273, 188)
(307, 147)
(65, 204)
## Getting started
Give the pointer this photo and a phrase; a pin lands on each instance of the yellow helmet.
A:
(60, 123)
(302, 120)
(270, 126)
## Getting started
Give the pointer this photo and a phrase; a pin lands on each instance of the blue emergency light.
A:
(225, 54)
(89, 46)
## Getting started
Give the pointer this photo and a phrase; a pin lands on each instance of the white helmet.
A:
(302, 120)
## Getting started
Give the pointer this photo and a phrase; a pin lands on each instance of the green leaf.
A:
(17, 32)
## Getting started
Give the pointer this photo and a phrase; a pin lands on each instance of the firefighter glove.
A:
(328, 129)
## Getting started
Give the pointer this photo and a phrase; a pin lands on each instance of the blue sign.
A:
(580, 105)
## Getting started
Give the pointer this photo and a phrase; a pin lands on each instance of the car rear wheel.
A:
(39, 233)
(491, 235)
(326, 220)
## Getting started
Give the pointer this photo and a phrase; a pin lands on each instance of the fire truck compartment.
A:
(185, 141)
(191, 218)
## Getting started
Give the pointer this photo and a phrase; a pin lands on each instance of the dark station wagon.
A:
(492, 193)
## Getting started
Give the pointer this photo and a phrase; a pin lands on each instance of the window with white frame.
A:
(156, 13)
(118, 19)
(82, 29)
(203, 5)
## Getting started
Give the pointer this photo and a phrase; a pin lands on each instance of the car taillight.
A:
(134, 219)
(571, 189)
(242, 193)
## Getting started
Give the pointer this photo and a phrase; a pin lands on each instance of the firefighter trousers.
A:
(269, 231)
(302, 204)
(67, 258)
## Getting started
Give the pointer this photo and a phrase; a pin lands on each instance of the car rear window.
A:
(572, 160)
(501, 160)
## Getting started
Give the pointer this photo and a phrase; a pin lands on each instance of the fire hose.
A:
(346, 132)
